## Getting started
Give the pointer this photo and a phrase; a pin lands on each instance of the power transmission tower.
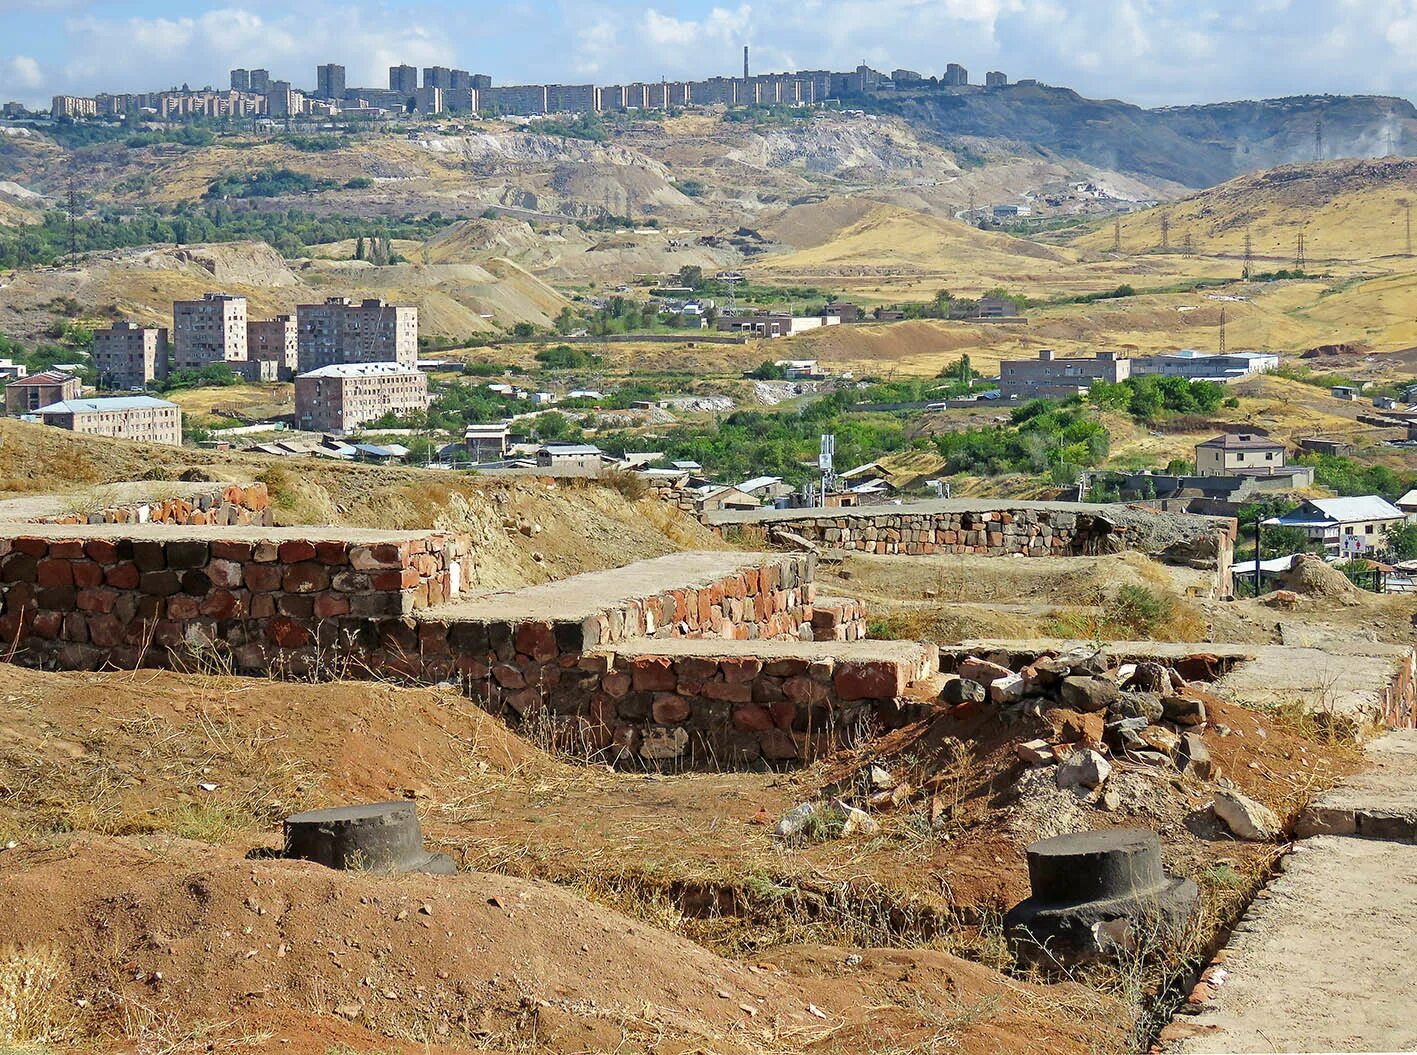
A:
(1222, 329)
(1249, 257)
(1187, 245)
(1319, 139)
(1165, 232)
(71, 207)
(1116, 236)
(1299, 253)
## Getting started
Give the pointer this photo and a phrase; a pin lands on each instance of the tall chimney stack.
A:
(745, 62)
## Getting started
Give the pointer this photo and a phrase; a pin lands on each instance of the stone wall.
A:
(998, 529)
(838, 619)
(88, 598)
(224, 506)
(708, 703)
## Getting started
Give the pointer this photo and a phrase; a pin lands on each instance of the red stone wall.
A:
(231, 506)
(154, 601)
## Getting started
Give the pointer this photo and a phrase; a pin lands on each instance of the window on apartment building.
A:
(1368, 530)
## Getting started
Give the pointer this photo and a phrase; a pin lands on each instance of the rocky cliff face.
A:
(1196, 146)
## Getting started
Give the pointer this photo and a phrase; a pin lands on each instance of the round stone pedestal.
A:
(379, 837)
(1097, 894)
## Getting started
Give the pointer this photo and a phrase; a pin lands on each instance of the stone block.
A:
(331, 553)
(184, 554)
(87, 574)
(262, 578)
(330, 606)
(226, 574)
(306, 577)
(53, 572)
(196, 582)
(295, 551)
(652, 674)
(537, 640)
(101, 550)
(730, 692)
(183, 608)
(753, 718)
(872, 680)
(160, 583)
(669, 708)
(740, 669)
(377, 557)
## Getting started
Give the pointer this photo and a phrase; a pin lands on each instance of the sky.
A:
(1151, 52)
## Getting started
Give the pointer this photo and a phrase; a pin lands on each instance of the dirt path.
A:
(1327, 961)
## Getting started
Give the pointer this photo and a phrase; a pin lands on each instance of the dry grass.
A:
(36, 1006)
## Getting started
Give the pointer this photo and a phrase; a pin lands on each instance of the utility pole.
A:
(1116, 236)
(1319, 139)
(1249, 257)
(1165, 232)
(1299, 253)
(1222, 329)
(969, 217)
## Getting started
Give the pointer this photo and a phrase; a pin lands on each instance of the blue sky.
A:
(1153, 52)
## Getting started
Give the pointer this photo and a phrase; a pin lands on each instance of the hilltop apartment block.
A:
(207, 331)
(340, 398)
(343, 331)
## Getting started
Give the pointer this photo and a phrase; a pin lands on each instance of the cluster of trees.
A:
(288, 231)
(586, 126)
(267, 183)
(1345, 476)
(47, 356)
(375, 249)
(213, 375)
(565, 357)
(1042, 437)
(1148, 399)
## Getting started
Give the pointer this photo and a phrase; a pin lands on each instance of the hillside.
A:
(1192, 146)
(140, 284)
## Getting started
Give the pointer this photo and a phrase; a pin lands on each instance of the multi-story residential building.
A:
(74, 106)
(513, 99)
(210, 330)
(899, 77)
(342, 397)
(342, 331)
(437, 77)
(241, 80)
(956, 76)
(260, 81)
(570, 98)
(284, 101)
(996, 79)
(140, 418)
(428, 100)
(274, 342)
(329, 81)
(127, 355)
(404, 80)
(13, 109)
(1049, 377)
(28, 394)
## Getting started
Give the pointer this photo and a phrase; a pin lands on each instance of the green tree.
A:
(1401, 542)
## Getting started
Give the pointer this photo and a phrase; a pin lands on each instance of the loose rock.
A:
(962, 690)
(1246, 818)
(1089, 693)
(1084, 768)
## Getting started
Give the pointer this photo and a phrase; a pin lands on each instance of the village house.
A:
(1239, 454)
(1347, 527)
(570, 459)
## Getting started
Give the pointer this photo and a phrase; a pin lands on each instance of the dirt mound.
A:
(149, 936)
(1311, 577)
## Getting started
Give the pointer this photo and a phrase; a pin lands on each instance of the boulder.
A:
(1195, 757)
(1008, 689)
(982, 671)
(1083, 661)
(1183, 710)
(1037, 753)
(1137, 705)
(1089, 693)
(1246, 818)
(1151, 677)
(962, 690)
(1084, 768)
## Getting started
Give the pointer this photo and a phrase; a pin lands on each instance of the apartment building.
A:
(28, 394)
(956, 76)
(274, 346)
(342, 331)
(73, 106)
(241, 80)
(404, 80)
(513, 99)
(329, 81)
(210, 330)
(570, 98)
(127, 355)
(428, 100)
(996, 79)
(284, 101)
(341, 398)
(139, 418)
(1049, 377)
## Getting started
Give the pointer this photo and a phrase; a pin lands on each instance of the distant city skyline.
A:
(1151, 52)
